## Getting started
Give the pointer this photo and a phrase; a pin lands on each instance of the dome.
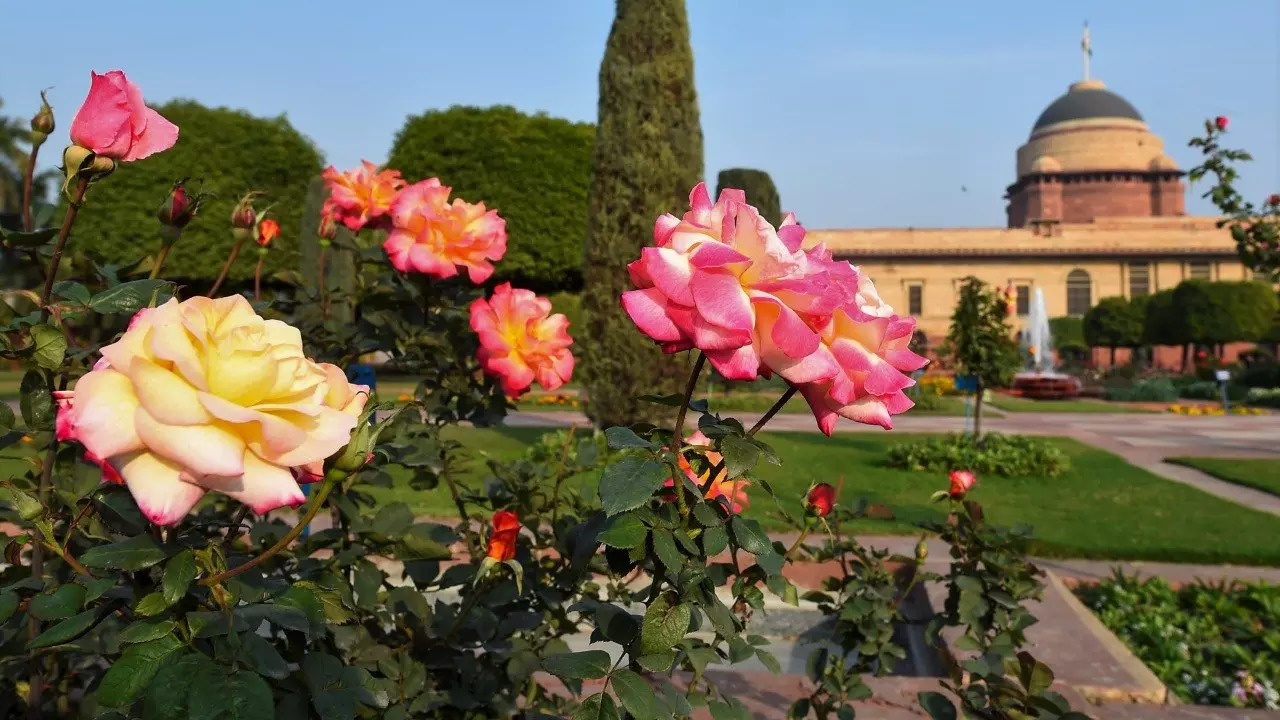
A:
(1086, 101)
(1046, 164)
(1163, 162)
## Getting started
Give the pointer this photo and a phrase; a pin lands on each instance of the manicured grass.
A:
(1260, 473)
(1102, 508)
(1017, 404)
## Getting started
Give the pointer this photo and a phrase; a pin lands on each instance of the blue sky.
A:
(866, 114)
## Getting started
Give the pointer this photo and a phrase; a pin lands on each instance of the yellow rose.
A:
(206, 395)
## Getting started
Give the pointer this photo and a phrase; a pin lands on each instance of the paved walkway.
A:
(1142, 439)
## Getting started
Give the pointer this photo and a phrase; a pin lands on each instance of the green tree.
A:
(1115, 322)
(15, 141)
(533, 169)
(1248, 310)
(648, 154)
(981, 342)
(1162, 325)
(227, 152)
(759, 188)
(1068, 337)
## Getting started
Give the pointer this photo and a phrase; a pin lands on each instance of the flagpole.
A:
(1086, 47)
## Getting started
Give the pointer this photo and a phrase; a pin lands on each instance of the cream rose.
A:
(206, 395)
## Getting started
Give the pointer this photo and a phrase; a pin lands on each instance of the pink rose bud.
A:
(179, 208)
(114, 122)
(42, 122)
(1221, 122)
(328, 229)
(961, 481)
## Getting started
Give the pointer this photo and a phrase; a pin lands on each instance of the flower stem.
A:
(323, 493)
(324, 291)
(677, 438)
(564, 459)
(27, 182)
(226, 268)
(164, 253)
(77, 199)
(257, 278)
(764, 419)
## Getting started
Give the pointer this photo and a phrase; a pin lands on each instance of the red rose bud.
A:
(822, 497)
(179, 208)
(502, 541)
(268, 230)
(328, 229)
(1220, 122)
(243, 218)
(961, 481)
(1274, 200)
(42, 122)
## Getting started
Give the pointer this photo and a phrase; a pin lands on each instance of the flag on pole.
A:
(1085, 44)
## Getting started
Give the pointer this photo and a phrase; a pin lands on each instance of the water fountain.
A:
(1040, 380)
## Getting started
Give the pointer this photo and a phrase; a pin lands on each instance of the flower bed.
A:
(994, 454)
(1211, 644)
(1193, 409)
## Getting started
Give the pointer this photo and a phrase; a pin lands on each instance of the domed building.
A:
(1097, 209)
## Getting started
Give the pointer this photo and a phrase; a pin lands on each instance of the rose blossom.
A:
(433, 236)
(1221, 122)
(723, 280)
(360, 196)
(521, 341)
(502, 541)
(206, 395)
(268, 230)
(961, 481)
(820, 500)
(113, 121)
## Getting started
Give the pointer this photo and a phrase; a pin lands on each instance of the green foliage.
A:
(993, 454)
(1115, 322)
(1214, 313)
(533, 169)
(1068, 333)
(980, 341)
(226, 152)
(1157, 389)
(1203, 640)
(1212, 390)
(339, 263)
(648, 156)
(1162, 325)
(759, 188)
(1255, 228)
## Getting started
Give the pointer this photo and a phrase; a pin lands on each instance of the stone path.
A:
(1142, 439)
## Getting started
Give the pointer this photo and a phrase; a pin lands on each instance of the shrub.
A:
(759, 189)
(1261, 374)
(1115, 322)
(648, 153)
(227, 152)
(993, 454)
(1266, 397)
(1068, 334)
(1202, 640)
(1146, 390)
(533, 169)
(1211, 390)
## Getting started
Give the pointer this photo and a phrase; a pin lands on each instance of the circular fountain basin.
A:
(1046, 385)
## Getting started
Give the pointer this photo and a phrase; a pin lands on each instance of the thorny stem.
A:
(226, 268)
(564, 460)
(283, 543)
(764, 419)
(237, 521)
(473, 545)
(324, 291)
(677, 438)
(257, 278)
(67, 558)
(77, 199)
(27, 181)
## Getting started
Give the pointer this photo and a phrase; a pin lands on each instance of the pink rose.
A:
(961, 481)
(433, 236)
(723, 280)
(114, 122)
(521, 341)
(206, 395)
(361, 196)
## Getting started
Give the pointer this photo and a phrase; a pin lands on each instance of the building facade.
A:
(1096, 210)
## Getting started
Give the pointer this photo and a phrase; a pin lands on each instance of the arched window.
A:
(1079, 292)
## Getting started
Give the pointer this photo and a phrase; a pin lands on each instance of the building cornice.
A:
(1031, 253)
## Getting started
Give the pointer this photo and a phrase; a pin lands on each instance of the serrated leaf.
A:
(675, 400)
(624, 531)
(664, 625)
(634, 694)
(65, 631)
(714, 540)
(129, 297)
(752, 538)
(217, 694)
(629, 483)
(597, 707)
(707, 515)
(937, 705)
(146, 631)
(167, 697)
(740, 455)
(624, 438)
(136, 553)
(258, 653)
(50, 346)
(133, 671)
(657, 662)
(585, 665)
(72, 291)
(179, 572)
(664, 546)
(31, 239)
(8, 604)
(767, 659)
(7, 420)
(36, 402)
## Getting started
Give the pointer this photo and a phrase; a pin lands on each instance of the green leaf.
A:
(727, 711)
(937, 705)
(151, 604)
(94, 589)
(597, 707)
(707, 515)
(740, 455)
(8, 604)
(634, 694)
(624, 438)
(675, 400)
(7, 420)
(217, 694)
(65, 631)
(36, 402)
(767, 659)
(335, 611)
(32, 239)
(585, 665)
(147, 630)
(664, 625)
(129, 297)
(368, 580)
(136, 553)
(664, 546)
(167, 697)
(61, 603)
(417, 544)
(130, 675)
(1035, 676)
(714, 540)
(28, 507)
(73, 291)
(179, 572)
(258, 653)
(657, 662)
(752, 538)
(50, 346)
(624, 531)
(392, 520)
(630, 482)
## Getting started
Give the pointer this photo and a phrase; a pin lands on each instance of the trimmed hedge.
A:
(225, 151)
(994, 454)
(533, 169)
(759, 189)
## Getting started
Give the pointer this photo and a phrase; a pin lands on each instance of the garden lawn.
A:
(1102, 508)
(1018, 404)
(1260, 473)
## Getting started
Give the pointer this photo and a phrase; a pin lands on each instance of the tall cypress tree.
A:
(648, 155)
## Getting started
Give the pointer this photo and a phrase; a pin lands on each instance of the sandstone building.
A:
(1096, 209)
